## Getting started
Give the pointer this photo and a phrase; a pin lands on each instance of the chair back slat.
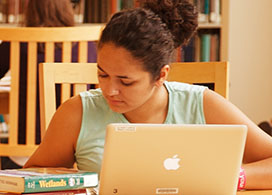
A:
(49, 52)
(14, 97)
(66, 51)
(65, 92)
(66, 57)
(222, 79)
(31, 93)
(47, 103)
(82, 54)
(79, 88)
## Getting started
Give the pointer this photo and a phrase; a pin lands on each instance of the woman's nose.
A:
(112, 89)
(113, 92)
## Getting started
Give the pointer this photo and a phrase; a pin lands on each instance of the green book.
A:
(205, 47)
(31, 180)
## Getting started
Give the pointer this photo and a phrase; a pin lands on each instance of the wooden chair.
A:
(216, 73)
(66, 36)
(50, 74)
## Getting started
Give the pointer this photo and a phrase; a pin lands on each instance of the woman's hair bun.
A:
(180, 16)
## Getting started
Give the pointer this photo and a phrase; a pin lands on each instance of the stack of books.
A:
(48, 181)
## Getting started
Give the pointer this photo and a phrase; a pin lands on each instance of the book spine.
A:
(205, 47)
(113, 6)
(13, 11)
(214, 48)
(200, 6)
(69, 182)
(65, 192)
(215, 11)
(79, 12)
(206, 10)
(2, 11)
(179, 54)
(189, 51)
(197, 47)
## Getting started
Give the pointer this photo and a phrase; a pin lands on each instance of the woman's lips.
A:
(114, 102)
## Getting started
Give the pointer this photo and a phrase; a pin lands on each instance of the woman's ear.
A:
(163, 74)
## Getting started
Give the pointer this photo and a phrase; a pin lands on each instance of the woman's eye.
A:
(126, 83)
(102, 75)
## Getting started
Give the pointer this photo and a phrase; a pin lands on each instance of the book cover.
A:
(31, 180)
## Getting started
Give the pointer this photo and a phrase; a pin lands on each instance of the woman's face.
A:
(125, 84)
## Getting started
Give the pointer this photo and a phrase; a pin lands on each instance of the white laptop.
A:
(172, 159)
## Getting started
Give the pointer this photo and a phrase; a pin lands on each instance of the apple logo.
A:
(171, 163)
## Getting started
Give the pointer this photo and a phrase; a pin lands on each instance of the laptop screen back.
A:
(172, 159)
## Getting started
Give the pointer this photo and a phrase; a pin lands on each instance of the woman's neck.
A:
(153, 111)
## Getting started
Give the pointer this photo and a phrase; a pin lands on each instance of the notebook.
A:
(172, 159)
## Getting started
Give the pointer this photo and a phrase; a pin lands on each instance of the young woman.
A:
(134, 54)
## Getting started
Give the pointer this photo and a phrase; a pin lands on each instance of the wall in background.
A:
(250, 56)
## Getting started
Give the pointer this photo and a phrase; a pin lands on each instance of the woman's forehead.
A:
(111, 55)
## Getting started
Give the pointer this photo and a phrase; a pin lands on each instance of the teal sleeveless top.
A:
(185, 107)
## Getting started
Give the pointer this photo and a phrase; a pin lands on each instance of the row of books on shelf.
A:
(202, 47)
(99, 11)
(11, 11)
(209, 11)
(48, 181)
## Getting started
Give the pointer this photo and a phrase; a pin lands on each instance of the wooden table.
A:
(4, 102)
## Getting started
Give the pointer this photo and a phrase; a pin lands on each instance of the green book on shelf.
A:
(205, 47)
(31, 180)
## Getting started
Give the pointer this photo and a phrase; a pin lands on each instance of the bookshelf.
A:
(213, 23)
(212, 31)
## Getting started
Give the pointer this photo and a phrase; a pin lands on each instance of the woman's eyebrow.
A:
(100, 68)
(119, 76)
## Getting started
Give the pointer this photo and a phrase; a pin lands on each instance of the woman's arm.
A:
(58, 145)
(258, 149)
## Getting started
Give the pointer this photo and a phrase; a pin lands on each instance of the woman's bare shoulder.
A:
(68, 115)
(58, 145)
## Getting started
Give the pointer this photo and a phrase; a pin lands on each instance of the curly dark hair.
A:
(151, 33)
